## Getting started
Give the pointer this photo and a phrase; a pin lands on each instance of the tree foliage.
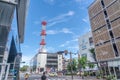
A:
(82, 62)
(24, 68)
(92, 51)
(72, 65)
(91, 65)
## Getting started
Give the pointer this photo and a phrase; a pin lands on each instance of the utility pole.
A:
(71, 65)
(66, 52)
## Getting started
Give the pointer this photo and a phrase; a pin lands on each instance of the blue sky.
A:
(67, 20)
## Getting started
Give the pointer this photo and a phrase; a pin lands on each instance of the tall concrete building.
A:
(11, 37)
(105, 23)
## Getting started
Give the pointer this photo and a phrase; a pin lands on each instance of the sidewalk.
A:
(80, 78)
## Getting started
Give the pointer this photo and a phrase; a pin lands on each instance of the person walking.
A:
(43, 77)
(26, 76)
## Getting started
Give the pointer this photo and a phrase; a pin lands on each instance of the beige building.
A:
(65, 63)
(105, 23)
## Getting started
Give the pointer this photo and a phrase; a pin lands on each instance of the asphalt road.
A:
(38, 76)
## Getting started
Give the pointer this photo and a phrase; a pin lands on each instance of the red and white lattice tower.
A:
(43, 35)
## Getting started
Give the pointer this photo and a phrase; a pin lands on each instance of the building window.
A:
(83, 45)
(103, 5)
(115, 49)
(59, 63)
(105, 12)
(84, 55)
(1, 59)
(111, 34)
(91, 41)
(108, 24)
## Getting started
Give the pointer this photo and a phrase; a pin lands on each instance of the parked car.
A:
(52, 74)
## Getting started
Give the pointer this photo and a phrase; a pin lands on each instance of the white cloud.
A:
(66, 30)
(74, 48)
(71, 45)
(51, 32)
(52, 23)
(55, 20)
(67, 42)
(75, 39)
(50, 2)
(64, 44)
(60, 18)
(86, 19)
(70, 13)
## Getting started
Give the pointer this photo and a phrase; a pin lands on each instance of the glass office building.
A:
(11, 37)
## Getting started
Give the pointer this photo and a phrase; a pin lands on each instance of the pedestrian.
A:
(43, 77)
(26, 76)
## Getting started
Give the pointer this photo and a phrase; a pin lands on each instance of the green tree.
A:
(24, 68)
(90, 65)
(82, 63)
(92, 51)
(72, 65)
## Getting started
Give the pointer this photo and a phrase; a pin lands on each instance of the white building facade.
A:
(47, 62)
(60, 62)
(85, 44)
(41, 62)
